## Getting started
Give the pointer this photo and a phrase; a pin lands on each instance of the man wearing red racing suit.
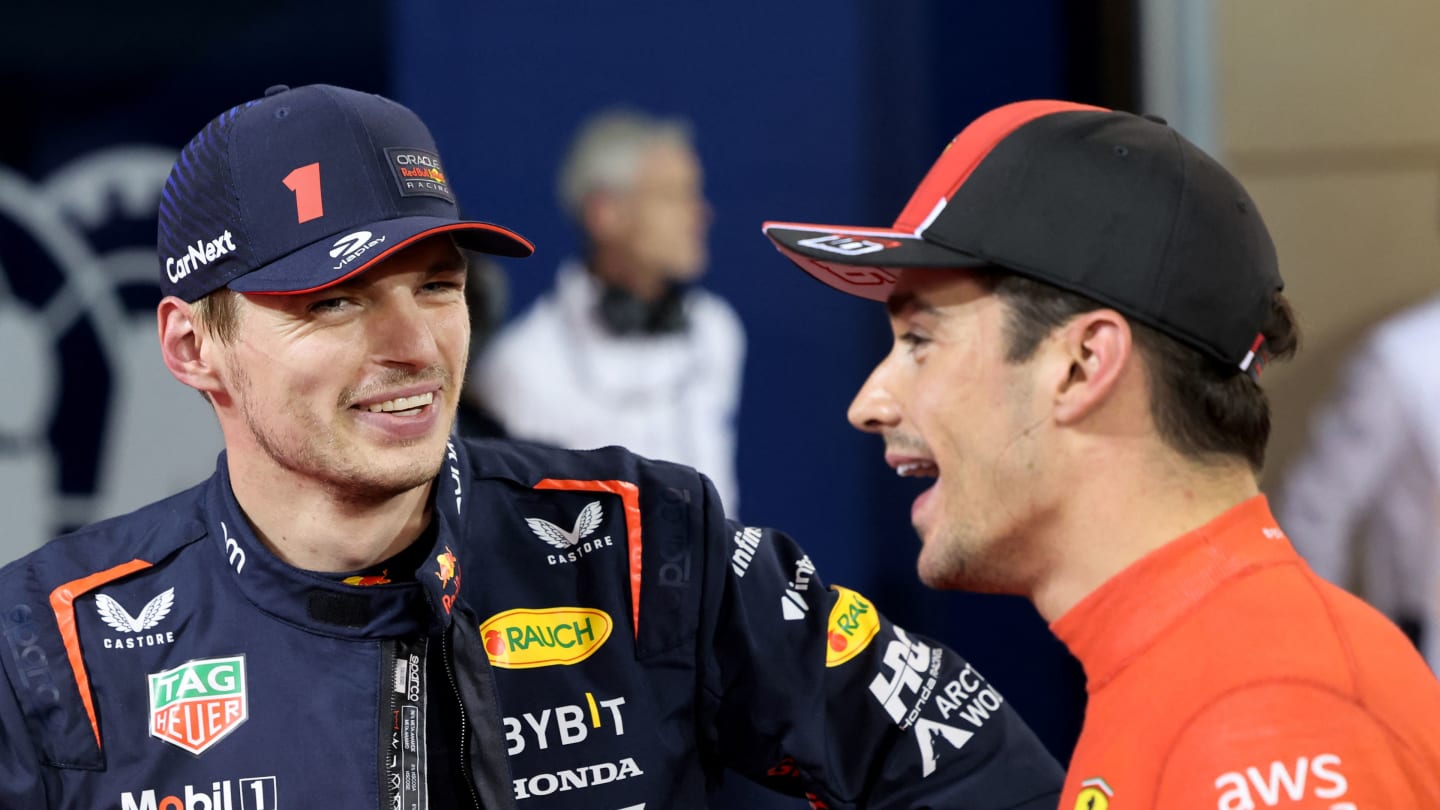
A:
(1081, 302)
(357, 610)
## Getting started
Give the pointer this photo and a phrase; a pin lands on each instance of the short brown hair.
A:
(1200, 408)
(218, 313)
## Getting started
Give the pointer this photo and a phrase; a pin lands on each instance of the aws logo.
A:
(559, 636)
(1319, 776)
(853, 624)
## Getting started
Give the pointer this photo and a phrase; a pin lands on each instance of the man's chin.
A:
(391, 471)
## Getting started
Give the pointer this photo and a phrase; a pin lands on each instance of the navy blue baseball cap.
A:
(304, 188)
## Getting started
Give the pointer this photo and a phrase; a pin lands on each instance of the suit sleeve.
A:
(810, 690)
(1294, 746)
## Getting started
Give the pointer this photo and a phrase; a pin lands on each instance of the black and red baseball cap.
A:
(304, 188)
(1116, 207)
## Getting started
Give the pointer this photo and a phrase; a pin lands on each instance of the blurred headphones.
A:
(624, 314)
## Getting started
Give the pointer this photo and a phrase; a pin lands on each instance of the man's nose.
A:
(874, 408)
(403, 335)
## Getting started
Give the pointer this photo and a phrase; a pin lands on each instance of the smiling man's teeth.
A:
(402, 404)
(910, 468)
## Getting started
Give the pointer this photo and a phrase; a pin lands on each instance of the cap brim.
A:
(860, 261)
(326, 262)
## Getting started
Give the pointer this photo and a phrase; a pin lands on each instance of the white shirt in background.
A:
(555, 375)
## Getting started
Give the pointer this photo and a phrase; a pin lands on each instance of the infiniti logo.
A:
(349, 243)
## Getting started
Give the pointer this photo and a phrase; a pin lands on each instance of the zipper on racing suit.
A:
(464, 758)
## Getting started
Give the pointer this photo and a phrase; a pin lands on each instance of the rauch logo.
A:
(525, 639)
(193, 705)
(853, 623)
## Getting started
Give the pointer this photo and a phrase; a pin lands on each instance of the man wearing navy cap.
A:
(1082, 302)
(359, 610)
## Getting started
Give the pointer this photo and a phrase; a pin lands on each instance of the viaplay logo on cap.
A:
(352, 246)
(418, 172)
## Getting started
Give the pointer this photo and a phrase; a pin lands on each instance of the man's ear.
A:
(189, 351)
(1098, 346)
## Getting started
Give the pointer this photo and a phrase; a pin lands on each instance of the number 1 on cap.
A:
(305, 182)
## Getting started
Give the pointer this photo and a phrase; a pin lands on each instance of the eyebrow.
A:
(907, 302)
(450, 264)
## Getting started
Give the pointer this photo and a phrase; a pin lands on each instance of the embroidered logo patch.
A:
(196, 704)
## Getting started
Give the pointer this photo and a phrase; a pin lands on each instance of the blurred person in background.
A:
(1365, 492)
(626, 349)
(1081, 303)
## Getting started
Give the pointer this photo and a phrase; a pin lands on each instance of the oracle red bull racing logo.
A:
(559, 636)
(196, 704)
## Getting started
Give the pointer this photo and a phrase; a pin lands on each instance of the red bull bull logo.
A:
(449, 572)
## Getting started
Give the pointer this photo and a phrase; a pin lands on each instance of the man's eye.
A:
(328, 305)
(913, 340)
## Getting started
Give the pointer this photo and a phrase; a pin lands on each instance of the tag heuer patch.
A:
(195, 704)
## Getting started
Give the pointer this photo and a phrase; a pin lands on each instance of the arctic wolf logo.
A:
(585, 525)
(118, 618)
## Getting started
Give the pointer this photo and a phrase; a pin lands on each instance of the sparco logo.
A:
(239, 794)
(120, 619)
(198, 255)
(585, 776)
(30, 661)
(352, 246)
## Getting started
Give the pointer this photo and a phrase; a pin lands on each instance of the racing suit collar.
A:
(320, 602)
(1110, 628)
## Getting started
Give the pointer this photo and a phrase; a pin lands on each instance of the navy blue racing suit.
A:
(576, 630)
